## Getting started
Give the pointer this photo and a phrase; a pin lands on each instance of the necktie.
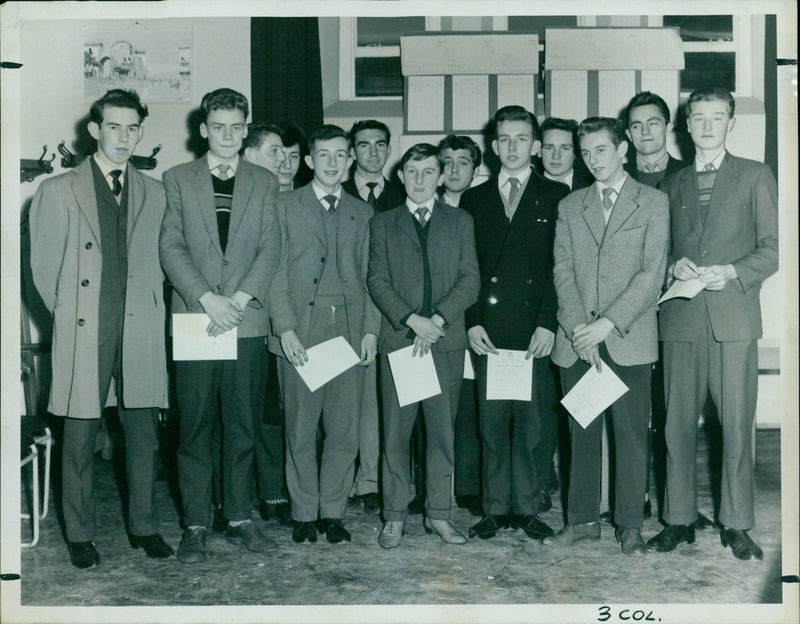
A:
(607, 203)
(512, 192)
(371, 198)
(331, 201)
(116, 185)
(222, 171)
(709, 167)
(422, 215)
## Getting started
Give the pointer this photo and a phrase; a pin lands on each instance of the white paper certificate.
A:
(593, 393)
(683, 288)
(414, 377)
(327, 360)
(508, 376)
(469, 369)
(191, 342)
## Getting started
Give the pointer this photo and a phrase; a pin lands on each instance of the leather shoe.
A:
(371, 502)
(471, 503)
(417, 505)
(533, 527)
(741, 544)
(489, 525)
(391, 534)
(154, 545)
(83, 555)
(671, 536)
(281, 511)
(304, 532)
(703, 522)
(631, 541)
(445, 530)
(250, 536)
(334, 530)
(192, 548)
(574, 533)
(545, 502)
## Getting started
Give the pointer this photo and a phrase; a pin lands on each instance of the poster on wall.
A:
(155, 61)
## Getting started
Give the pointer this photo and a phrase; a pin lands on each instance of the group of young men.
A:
(565, 265)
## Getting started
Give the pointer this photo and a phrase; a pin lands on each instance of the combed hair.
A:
(711, 94)
(118, 98)
(645, 98)
(557, 123)
(598, 124)
(453, 142)
(258, 131)
(517, 113)
(292, 134)
(326, 133)
(421, 151)
(369, 124)
(224, 99)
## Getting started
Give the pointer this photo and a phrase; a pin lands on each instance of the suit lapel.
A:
(495, 208)
(83, 188)
(689, 201)
(347, 220)
(593, 214)
(242, 189)
(436, 223)
(724, 181)
(406, 225)
(527, 207)
(624, 207)
(311, 207)
(136, 198)
(204, 194)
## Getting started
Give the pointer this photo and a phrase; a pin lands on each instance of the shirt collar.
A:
(652, 167)
(565, 179)
(106, 169)
(320, 193)
(412, 205)
(214, 162)
(522, 176)
(617, 188)
(361, 183)
(716, 161)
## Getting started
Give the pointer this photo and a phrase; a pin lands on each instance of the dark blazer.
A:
(392, 196)
(189, 246)
(395, 276)
(741, 228)
(581, 176)
(673, 166)
(516, 260)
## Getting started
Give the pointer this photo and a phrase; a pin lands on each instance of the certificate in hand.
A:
(593, 393)
(683, 288)
(414, 377)
(469, 369)
(327, 360)
(190, 341)
(508, 376)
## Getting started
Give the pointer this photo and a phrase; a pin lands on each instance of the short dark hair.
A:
(421, 151)
(711, 94)
(292, 134)
(326, 133)
(257, 132)
(224, 99)
(645, 98)
(598, 124)
(557, 123)
(118, 98)
(453, 142)
(516, 113)
(369, 124)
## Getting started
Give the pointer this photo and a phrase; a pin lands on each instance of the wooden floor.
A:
(509, 569)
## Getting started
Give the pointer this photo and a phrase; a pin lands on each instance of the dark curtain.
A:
(771, 93)
(285, 74)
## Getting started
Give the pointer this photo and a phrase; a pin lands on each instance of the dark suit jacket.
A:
(673, 166)
(516, 260)
(741, 228)
(392, 196)
(581, 176)
(189, 246)
(395, 276)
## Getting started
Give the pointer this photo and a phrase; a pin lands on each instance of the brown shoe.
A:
(571, 534)
(631, 540)
(741, 544)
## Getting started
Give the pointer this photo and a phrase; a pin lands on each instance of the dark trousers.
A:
(234, 390)
(511, 439)
(269, 449)
(467, 442)
(729, 371)
(140, 427)
(440, 414)
(630, 415)
(547, 399)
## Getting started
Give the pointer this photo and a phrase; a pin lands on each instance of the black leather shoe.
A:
(545, 502)
(489, 526)
(192, 548)
(250, 536)
(671, 536)
(372, 503)
(83, 555)
(471, 503)
(631, 542)
(154, 545)
(741, 544)
(281, 511)
(334, 530)
(703, 522)
(304, 532)
(417, 505)
(533, 527)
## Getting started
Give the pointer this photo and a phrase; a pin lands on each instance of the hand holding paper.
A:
(508, 376)
(687, 289)
(192, 341)
(593, 393)
(326, 361)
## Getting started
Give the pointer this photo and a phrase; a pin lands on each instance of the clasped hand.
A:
(427, 332)
(225, 313)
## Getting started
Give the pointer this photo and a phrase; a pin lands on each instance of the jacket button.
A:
(592, 312)
(311, 304)
(84, 283)
(88, 245)
(322, 259)
(316, 281)
(704, 252)
(493, 280)
(81, 322)
(225, 262)
(492, 300)
(529, 282)
(627, 331)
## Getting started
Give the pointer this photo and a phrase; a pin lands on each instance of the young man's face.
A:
(371, 150)
(647, 128)
(330, 160)
(602, 157)
(421, 178)
(514, 145)
(458, 169)
(709, 124)
(117, 135)
(225, 131)
(290, 165)
(269, 155)
(558, 152)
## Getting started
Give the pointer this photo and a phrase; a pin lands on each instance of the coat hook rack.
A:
(68, 159)
(145, 163)
(29, 169)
